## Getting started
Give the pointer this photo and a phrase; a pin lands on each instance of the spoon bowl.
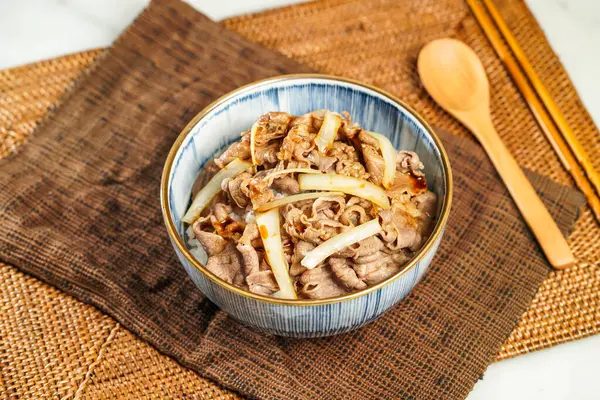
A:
(468, 88)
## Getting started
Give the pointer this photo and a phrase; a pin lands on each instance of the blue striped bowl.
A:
(221, 123)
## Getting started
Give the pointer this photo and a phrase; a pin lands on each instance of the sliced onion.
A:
(253, 131)
(206, 194)
(268, 226)
(389, 158)
(297, 197)
(294, 170)
(346, 184)
(339, 242)
(328, 131)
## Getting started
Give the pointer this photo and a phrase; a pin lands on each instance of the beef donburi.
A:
(310, 206)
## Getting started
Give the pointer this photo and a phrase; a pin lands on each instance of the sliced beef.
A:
(257, 188)
(317, 119)
(262, 282)
(314, 229)
(236, 187)
(298, 164)
(213, 244)
(330, 207)
(239, 149)
(408, 238)
(364, 248)
(223, 258)
(354, 215)
(407, 183)
(389, 234)
(348, 161)
(320, 283)
(427, 205)
(250, 257)
(343, 151)
(300, 250)
(269, 129)
(225, 222)
(372, 156)
(355, 200)
(249, 253)
(348, 128)
(323, 163)
(374, 163)
(221, 212)
(295, 222)
(267, 155)
(398, 257)
(342, 269)
(351, 168)
(375, 271)
(297, 144)
(368, 247)
(306, 119)
(259, 280)
(327, 228)
(400, 230)
(368, 140)
(287, 185)
(408, 161)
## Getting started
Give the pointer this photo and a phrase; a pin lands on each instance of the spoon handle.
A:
(548, 235)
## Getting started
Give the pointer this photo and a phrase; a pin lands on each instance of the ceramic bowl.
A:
(221, 122)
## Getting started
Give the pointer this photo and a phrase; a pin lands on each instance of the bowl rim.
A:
(180, 245)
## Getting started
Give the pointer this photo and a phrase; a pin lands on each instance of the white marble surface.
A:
(32, 30)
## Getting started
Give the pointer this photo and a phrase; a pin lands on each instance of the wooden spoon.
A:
(455, 78)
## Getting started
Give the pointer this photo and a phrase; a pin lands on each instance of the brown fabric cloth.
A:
(80, 209)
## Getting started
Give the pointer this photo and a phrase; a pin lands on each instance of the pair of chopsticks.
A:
(546, 112)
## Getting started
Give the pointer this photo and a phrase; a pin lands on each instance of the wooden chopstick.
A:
(544, 95)
(540, 113)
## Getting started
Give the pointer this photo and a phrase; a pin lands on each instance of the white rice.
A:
(195, 247)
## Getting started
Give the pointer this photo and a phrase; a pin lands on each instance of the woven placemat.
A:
(84, 352)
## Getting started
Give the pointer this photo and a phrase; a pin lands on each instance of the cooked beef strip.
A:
(348, 161)
(267, 155)
(354, 215)
(334, 204)
(368, 246)
(297, 144)
(223, 258)
(376, 271)
(389, 234)
(306, 119)
(323, 163)
(320, 283)
(287, 185)
(244, 245)
(342, 269)
(235, 187)
(239, 149)
(373, 158)
(408, 161)
(270, 128)
(262, 282)
(300, 250)
(426, 204)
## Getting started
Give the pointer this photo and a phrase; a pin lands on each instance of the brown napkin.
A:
(79, 208)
